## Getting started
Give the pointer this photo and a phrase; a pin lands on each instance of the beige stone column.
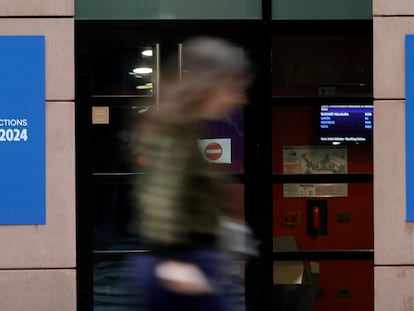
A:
(394, 238)
(38, 263)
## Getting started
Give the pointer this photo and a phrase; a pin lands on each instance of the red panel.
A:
(356, 234)
(357, 276)
(298, 125)
(234, 200)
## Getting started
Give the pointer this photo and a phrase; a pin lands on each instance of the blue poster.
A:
(22, 130)
(409, 127)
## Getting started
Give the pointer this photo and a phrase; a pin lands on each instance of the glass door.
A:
(118, 82)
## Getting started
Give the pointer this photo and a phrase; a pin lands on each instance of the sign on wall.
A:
(409, 124)
(216, 150)
(22, 130)
(315, 160)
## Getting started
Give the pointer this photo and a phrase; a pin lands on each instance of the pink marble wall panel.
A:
(37, 8)
(393, 7)
(60, 64)
(389, 56)
(37, 290)
(393, 237)
(53, 244)
(394, 288)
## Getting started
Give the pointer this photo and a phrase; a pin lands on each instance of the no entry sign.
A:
(213, 151)
(216, 150)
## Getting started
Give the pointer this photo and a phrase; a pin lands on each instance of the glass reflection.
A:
(123, 72)
(116, 144)
(112, 209)
(111, 290)
(322, 65)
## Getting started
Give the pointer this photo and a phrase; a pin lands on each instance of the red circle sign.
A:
(213, 151)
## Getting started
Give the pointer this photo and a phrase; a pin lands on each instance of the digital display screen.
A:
(348, 124)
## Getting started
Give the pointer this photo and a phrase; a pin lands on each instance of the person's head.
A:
(213, 82)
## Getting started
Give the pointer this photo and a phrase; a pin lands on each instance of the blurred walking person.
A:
(180, 200)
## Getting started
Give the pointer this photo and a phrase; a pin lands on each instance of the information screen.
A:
(349, 124)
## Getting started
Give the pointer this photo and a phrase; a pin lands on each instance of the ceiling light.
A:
(142, 70)
(147, 53)
(146, 86)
